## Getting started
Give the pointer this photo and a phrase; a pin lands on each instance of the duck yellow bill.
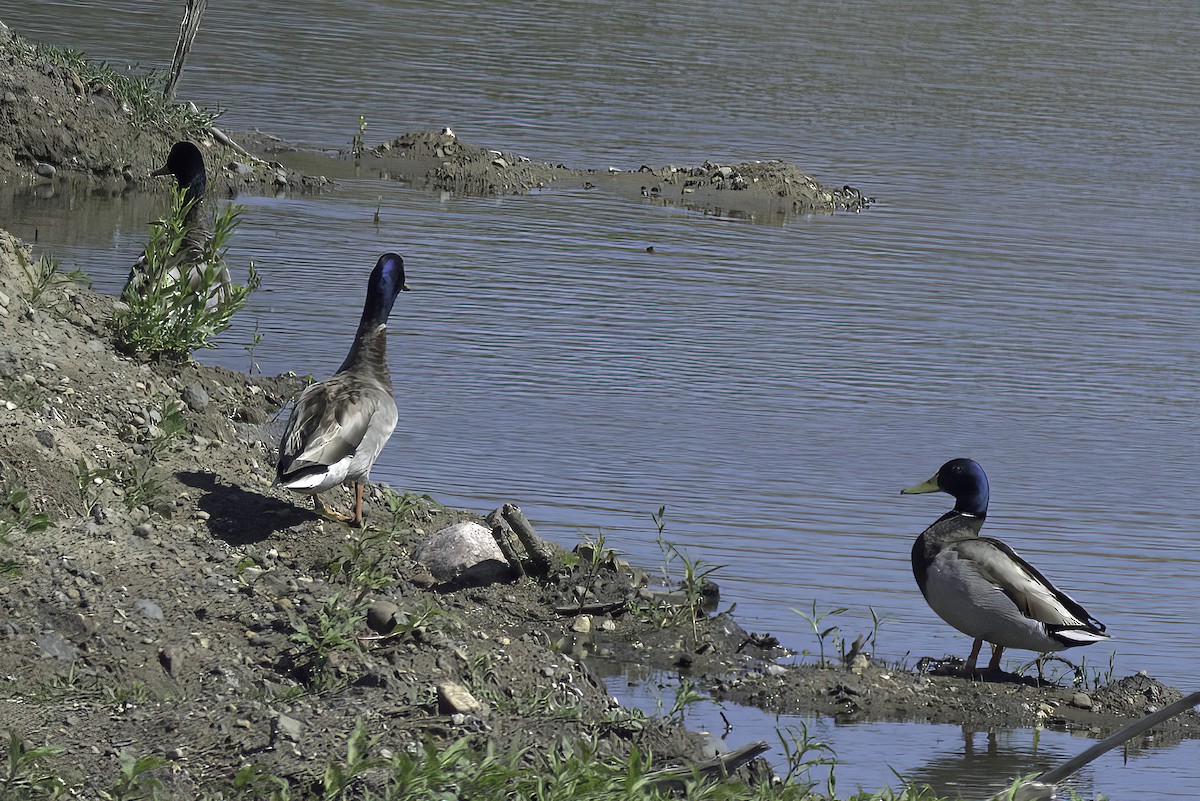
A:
(925, 486)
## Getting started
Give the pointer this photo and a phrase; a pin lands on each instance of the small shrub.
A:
(166, 316)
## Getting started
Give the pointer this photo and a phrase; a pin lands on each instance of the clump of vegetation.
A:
(17, 515)
(696, 594)
(45, 276)
(26, 775)
(139, 93)
(183, 304)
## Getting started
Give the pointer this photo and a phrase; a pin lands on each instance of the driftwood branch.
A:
(504, 539)
(541, 556)
(719, 767)
(187, 34)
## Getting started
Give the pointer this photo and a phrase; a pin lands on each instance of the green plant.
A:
(26, 777)
(802, 753)
(45, 276)
(428, 617)
(250, 347)
(693, 577)
(167, 424)
(340, 776)
(402, 506)
(814, 619)
(333, 629)
(255, 783)
(183, 304)
(685, 697)
(136, 781)
(17, 515)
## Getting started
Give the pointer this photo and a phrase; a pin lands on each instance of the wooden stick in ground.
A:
(187, 34)
(504, 538)
(540, 554)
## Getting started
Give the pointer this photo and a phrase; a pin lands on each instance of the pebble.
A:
(288, 727)
(148, 609)
(45, 170)
(454, 698)
(381, 616)
(195, 397)
(1081, 700)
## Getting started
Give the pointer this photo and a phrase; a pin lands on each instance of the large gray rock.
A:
(464, 554)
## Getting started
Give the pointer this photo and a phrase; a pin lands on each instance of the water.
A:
(1024, 293)
(956, 761)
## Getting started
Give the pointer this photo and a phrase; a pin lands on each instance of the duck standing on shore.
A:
(186, 163)
(981, 587)
(339, 425)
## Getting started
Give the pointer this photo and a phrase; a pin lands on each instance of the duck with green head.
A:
(981, 587)
(339, 426)
(186, 163)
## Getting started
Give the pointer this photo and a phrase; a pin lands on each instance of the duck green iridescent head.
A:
(963, 479)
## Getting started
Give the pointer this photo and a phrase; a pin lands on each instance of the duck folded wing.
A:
(1028, 589)
(328, 426)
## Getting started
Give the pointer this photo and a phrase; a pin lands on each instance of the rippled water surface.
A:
(1024, 293)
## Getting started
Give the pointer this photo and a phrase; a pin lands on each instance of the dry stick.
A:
(187, 34)
(718, 767)
(503, 536)
(539, 553)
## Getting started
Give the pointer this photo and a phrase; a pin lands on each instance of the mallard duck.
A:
(981, 587)
(186, 163)
(339, 425)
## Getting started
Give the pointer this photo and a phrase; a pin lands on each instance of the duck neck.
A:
(193, 190)
(368, 354)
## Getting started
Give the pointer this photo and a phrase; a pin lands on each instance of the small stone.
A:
(287, 727)
(143, 530)
(195, 397)
(1081, 701)
(46, 439)
(45, 170)
(456, 699)
(148, 609)
(381, 616)
(582, 624)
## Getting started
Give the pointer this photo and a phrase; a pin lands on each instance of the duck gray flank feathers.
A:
(339, 426)
(981, 587)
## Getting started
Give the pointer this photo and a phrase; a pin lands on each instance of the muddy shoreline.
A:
(169, 606)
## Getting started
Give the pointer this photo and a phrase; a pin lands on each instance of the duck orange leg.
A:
(357, 519)
(969, 665)
(994, 665)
